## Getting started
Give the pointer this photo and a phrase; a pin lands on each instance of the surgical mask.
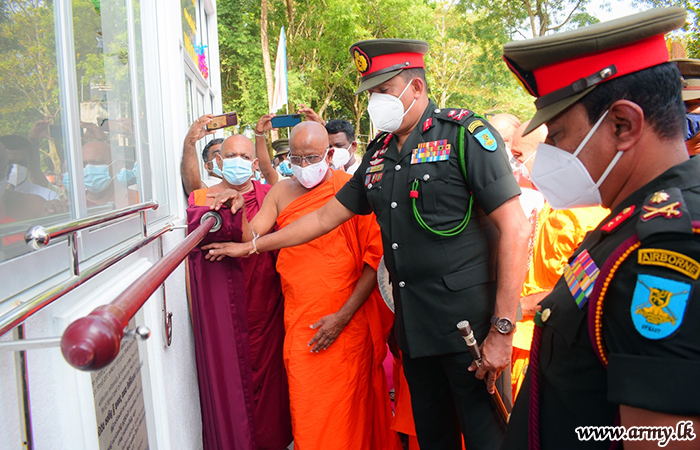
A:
(386, 111)
(237, 170)
(97, 177)
(126, 177)
(66, 181)
(285, 168)
(341, 156)
(135, 171)
(17, 174)
(215, 168)
(311, 175)
(563, 179)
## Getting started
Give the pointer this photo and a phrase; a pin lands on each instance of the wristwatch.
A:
(502, 324)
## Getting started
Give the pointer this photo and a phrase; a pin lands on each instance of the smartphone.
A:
(285, 120)
(225, 120)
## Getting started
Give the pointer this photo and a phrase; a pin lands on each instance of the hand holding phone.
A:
(225, 120)
(285, 120)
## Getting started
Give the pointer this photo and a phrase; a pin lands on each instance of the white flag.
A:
(279, 97)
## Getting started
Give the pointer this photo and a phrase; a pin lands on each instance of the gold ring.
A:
(197, 120)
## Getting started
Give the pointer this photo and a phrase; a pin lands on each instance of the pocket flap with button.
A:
(471, 276)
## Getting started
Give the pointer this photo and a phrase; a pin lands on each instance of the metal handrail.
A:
(24, 310)
(40, 236)
(92, 342)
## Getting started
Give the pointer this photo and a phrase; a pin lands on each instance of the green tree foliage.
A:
(690, 35)
(464, 63)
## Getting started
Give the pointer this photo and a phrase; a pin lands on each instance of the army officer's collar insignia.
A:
(618, 220)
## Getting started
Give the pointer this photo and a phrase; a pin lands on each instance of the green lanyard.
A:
(414, 195)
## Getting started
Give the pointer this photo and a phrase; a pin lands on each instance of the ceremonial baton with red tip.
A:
(466, 331)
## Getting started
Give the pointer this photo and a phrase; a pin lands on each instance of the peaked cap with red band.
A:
(379, 60)
(690, 71)
(562, 68)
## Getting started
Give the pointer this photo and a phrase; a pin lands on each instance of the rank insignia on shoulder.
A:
(658, 306)
(669, 259)
(433, 151)
(454, 115)
(580, 277)
(618, 219)
(486, 140)
(664, 212)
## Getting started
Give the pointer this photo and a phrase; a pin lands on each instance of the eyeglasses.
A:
(310, 159)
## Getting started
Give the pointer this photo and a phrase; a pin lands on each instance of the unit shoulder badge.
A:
(658, 306)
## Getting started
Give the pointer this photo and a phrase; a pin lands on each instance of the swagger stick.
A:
(466, 331)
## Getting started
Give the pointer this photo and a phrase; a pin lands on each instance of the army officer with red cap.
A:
(617, 340)
(454, 237)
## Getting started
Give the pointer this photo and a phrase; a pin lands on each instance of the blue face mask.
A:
(135, 170)
(66, 181)
(97, 177)
(692, 125)
(237, 170)
(215, 169)
(285, 168)
(126, 177)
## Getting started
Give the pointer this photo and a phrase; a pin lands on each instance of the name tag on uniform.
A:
(374, 169)
(432, 151)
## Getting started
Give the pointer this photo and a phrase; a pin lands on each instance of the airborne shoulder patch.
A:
(669, 259)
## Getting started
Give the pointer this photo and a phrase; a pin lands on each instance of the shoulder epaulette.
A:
(460, 116)
(664, 212)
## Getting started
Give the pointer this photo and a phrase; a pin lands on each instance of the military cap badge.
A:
(362, 62)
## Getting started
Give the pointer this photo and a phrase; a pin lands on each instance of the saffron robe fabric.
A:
(265, 307)
(557, 236)
(339, 397)
(217, 295)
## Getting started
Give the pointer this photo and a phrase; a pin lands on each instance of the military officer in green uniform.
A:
(617, 340)
(454, 239)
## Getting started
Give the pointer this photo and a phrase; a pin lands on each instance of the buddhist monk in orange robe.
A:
(335, 343)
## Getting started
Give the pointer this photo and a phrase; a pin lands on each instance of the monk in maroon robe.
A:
(265, 324)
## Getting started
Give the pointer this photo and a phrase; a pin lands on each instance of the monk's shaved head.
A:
(238, 145)
(506, 125)
(308, 138)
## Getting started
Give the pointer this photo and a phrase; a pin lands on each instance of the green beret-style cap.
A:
(379, 60)
(560, 69)
(690, 71)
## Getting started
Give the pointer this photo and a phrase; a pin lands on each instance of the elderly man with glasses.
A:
(335, 326)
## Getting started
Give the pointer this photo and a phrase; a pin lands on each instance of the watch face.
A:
(504, 325)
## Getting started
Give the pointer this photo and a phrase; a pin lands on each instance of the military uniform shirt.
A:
(650, 319)
(437, 281)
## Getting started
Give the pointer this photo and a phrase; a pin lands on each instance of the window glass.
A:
(31, 184)
(79, 125)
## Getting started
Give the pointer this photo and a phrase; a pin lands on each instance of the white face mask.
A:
(563, 179)
(311, 175)
(341, 156)
(17, 174)
(520, 170)
(386, 111)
